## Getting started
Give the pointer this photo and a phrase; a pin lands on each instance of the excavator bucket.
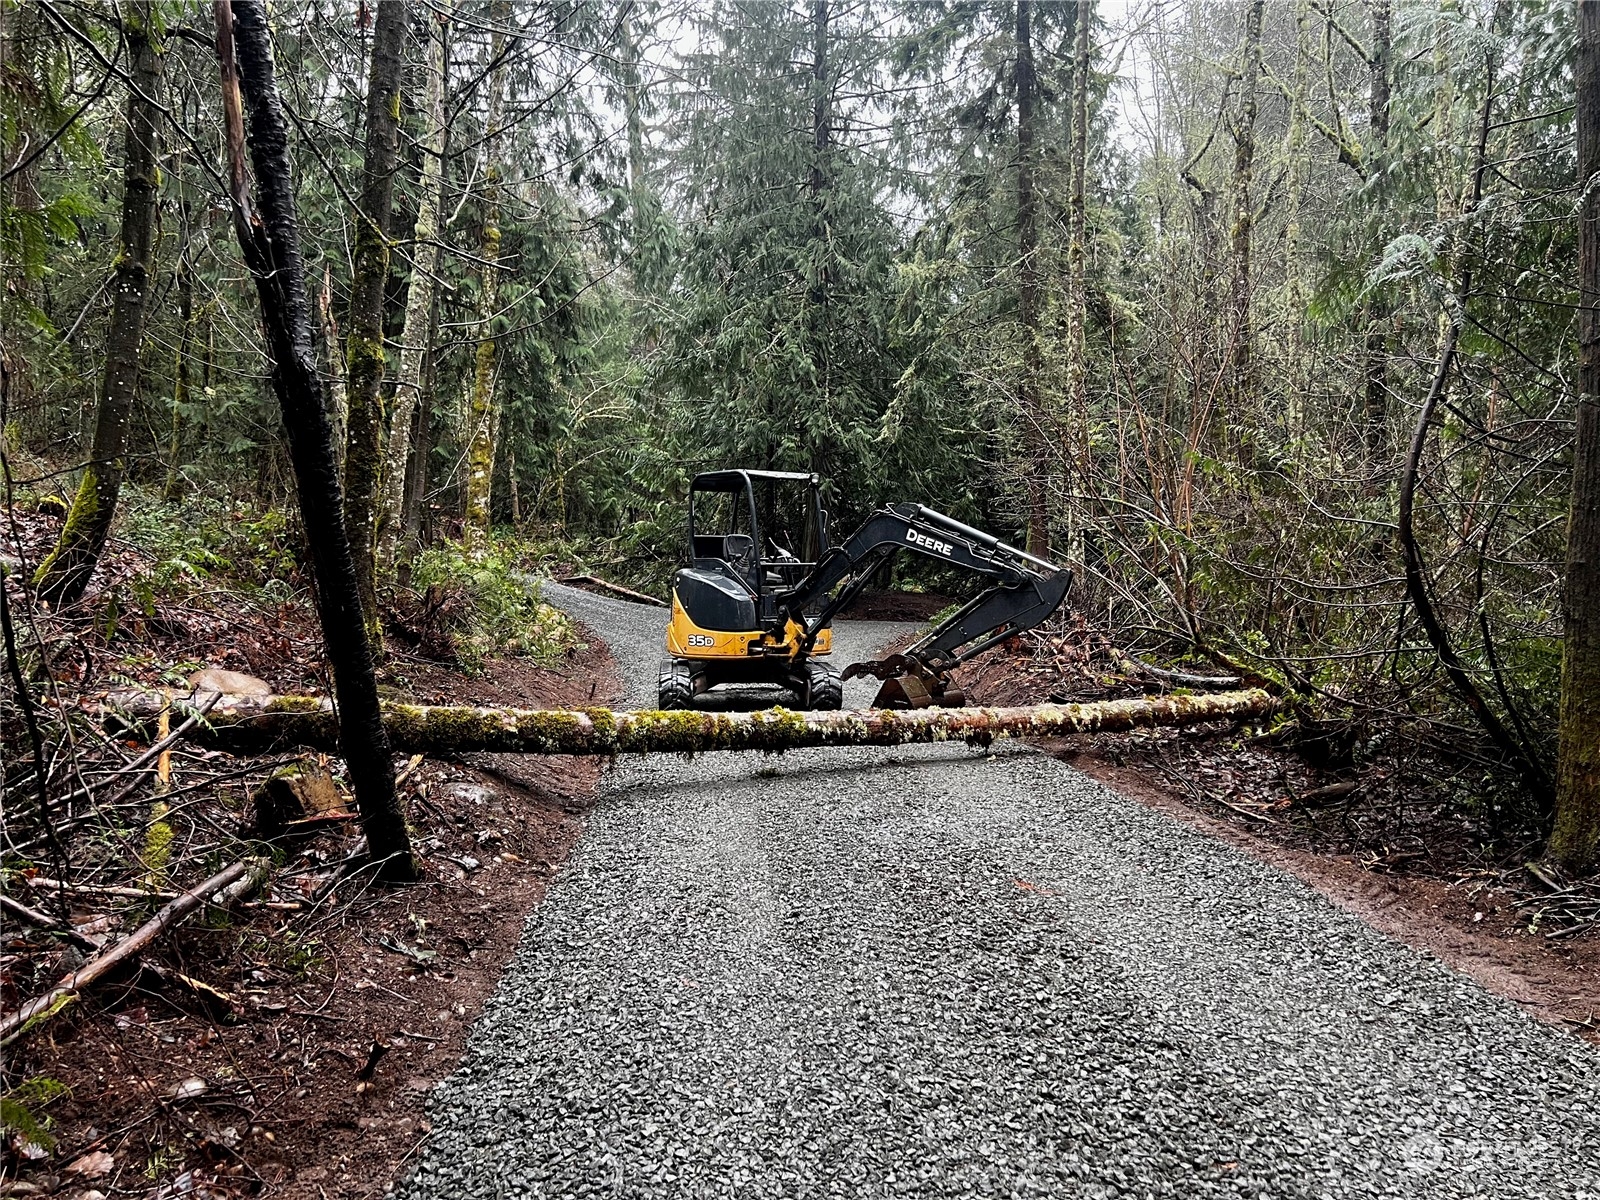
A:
(907, 684)
(902, 691)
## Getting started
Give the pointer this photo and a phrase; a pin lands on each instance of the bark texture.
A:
(269, 235)
(415, 341)
(249, 723)
(820, 183)
(1380, 311)
(1078, 440)
(1575, 836)
(172, 490)
(1242, 350)
(482, 415)
(1028, 400)
(364, 353)
(65, 572)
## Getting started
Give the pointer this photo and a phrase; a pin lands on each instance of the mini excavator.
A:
(756, 603)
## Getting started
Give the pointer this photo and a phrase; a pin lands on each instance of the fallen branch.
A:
(244, 723)
(144, 760)
(114, 891)
(616, 589)
(1134, 666)
(40, 1009)
(47, 923)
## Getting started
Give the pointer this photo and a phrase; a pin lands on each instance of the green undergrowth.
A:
(22, 1115)
(206, 538)
(502, 613)
(204, 544)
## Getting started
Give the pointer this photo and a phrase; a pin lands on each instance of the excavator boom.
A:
(1024, 591)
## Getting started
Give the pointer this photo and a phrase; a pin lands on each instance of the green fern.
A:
(20, 1109)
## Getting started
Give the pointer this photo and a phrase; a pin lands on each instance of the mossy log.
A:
(253, 723)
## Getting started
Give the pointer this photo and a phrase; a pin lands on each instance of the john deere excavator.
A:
(763, 584)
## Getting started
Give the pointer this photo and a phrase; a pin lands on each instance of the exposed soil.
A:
(875, 605)
(1404, 860)
(335, 1011)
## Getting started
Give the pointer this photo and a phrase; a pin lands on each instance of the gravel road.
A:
(938, 972)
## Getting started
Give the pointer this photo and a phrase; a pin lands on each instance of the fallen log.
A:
(253, 723)
(616, 589)
(1137, 666)
(249, 871)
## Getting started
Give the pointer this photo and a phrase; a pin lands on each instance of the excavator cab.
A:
(756, 601)
(753, 535)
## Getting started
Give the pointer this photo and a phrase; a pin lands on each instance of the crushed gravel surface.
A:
(932, 971)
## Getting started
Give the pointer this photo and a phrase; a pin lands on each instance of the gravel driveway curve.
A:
(938, 972)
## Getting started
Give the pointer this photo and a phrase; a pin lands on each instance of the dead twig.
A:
(42, 1008)
(47, 923)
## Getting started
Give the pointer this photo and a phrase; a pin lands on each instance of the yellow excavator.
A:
(756, 602)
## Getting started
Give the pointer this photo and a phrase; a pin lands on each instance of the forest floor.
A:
(1386, 841)
(299, 1060)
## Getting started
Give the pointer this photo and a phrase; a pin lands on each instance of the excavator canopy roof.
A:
(736, 481)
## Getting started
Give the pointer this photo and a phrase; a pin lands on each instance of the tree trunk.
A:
(370, 272)
(1077, 272)
(172, 491)
(1575, 837)
(253, 723)
(270, 239)
(1297, 163)
(1036, 459)
(481, 423)
(644, 258)
(415, 344)
(1241, 344)
(1379, 310)
(65, 573)
(332, 367)
(416, 531)
(1418, 584)
(821, 248)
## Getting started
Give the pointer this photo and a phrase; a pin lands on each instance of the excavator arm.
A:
(1024, 590)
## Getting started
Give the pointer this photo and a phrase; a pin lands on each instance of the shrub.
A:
(488, 603)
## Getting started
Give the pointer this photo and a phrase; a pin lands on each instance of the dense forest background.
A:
(1264, 316)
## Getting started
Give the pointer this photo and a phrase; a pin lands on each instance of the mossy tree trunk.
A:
(363, 457)
(481, 416)
(252, 723)
(415, 347)
(1079, 440)
(65, 573)
(1241, 235)
(269, 235)
(1294, 283)
(1575, 837)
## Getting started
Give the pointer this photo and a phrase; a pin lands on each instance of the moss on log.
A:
(254, 723)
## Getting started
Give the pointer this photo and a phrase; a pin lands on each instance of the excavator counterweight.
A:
(750, 609)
